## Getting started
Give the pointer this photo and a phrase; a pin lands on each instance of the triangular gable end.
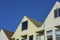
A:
(19, 27)
(18, 30)
(3, 36)
(50, 16)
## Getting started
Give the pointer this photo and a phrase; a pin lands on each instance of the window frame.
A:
(38, 35)
(56, 13)
(56, 34)
(26, 25)
(50, 35)
(31, 37)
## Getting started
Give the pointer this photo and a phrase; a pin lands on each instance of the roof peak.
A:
(32, 18)
(36, 22)
(58, 0)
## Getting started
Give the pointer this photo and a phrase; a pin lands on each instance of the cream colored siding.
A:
(35, 27)
(51, 22)
(32, 28)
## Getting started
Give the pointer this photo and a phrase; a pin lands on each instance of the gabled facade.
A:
(30, 29)
(9, 34)
(52, 23)
(3, 36)
(31, 32)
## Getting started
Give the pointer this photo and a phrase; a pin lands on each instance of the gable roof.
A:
(8, 34)
(51, 13)
(37, 23)
(3, 35)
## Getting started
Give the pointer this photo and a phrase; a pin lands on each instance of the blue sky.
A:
(12, 11)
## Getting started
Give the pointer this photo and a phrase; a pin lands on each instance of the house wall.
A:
(30, 31)
(48, 25)
(3, 35)
(32, 28)
(51, 22)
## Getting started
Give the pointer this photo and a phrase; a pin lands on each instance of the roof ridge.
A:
(36, 22)
(33, 19)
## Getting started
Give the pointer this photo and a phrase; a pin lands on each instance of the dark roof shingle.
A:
(37, 23)
(8, 34)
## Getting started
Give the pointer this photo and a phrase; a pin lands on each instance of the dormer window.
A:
(24, 25)
(57, 13)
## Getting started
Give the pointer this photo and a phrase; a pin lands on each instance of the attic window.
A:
(24, 25)
(57, 13)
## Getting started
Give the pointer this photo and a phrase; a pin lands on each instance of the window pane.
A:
(55, 13)
(57, 38)
(49, 35)
(58, 12)
(57, 34)
(38, 37)
(23, 39)
(31, 37)
(49, 38)
(24, 25)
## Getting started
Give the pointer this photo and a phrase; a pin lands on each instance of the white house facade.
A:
(52, 23)
(35, 30)
(29, 29)
(3, 35)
